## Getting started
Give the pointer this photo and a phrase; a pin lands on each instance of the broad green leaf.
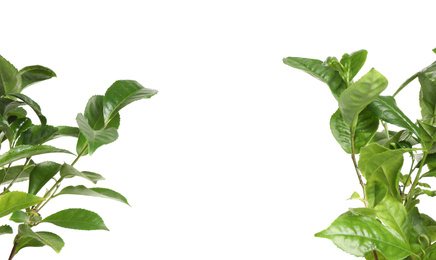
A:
(16, 200)
(6, 229)
(418, 231)
(13, 172)
(27, 242)
(320, 71)
(358, 235)
(34, 74)
(37, 134)
(394, 215)
(360, 94)
(77, 219)
(41, 174)
(68, 171)
(375, 193)
(122, 93)
(32, 104)
(96, 192)
(430, 225)
(367, 152)
(369, 212)
(19, 217)
(385, 168)
(20, 125)
(65, 131)
(385, 108)
(367, 126)
(427, 94)
(353, 63)
(45, 238)
(95, 138)
(26, 151)
(10, 78)
(428, 135)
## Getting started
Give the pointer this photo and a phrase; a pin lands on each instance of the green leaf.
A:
(12, 172)
(359, 235)
(96, 192)
(77, 219)
(44, 238)
(65, 131)
(95, 138)
(385, 108)
(428, 133)
(37, 134)
(353, 63)
(418, 229)
(394, 215)
(34, 74)
(6, 129)
(19, 217)
(366, 127)
(321, 71)
(20, 125)
(16, 200)
(427, 94)
(41, 174)
(367, 153)
(6, 229)
(360, 94)
(10, 78)
(122, 93)
(26, 151)
(32, 104)
(69, 171)
(363, 211)
(375, 193)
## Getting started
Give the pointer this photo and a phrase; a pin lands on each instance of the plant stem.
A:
(375, 255)
(18, 175)
(353, 157)
(13, 250)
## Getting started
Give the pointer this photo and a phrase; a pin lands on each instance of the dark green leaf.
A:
(65, 131)
(6, 229)
(353, 63)
(68, 171)
(427, 94)
(428, 134)
(385, 108)
(418, 229)
(360, 94)
(96, 192)
(13, 172)
(45, 238)
(37, 134)
(20, 125)
(367, 126)
(10, 78)
(359, 235)
(16, 200)
(413, 77)
(6, 129)
(77, 219)
(32, 104)
(34, 74)
(26, 151)
(122, 93)
(321, 71)
(41, 174)
(95, 138)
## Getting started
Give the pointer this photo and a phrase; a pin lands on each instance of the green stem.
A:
(18, 175)
(418, 175)
(359, 176)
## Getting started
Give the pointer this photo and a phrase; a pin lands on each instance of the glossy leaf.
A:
(6, 229)
(6, 129)
(69, 171)
(65, 131)
(358, 235)
(419, 231)
(96, 192)
(26, 151)
(41, 174)
(16, 200)
(427, 94)
(353, 63)
(34, 74)
(37, 134)
(360, 94)
(385, 108)
(320, 71)
(428, 134)
(45, 238)
(366, 127)
(77, 219)
(13, 172)
(95, 138)
(32, 104)
(122, 93)
(10, 78)
(20, 125)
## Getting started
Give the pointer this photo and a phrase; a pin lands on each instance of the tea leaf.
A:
(34, 74)
(16, 200)
(26, 151)
(32, 104)
(29, 238)
(41, 174)
(10, 78)
(77, 219)
(6, 229)
(96, 192)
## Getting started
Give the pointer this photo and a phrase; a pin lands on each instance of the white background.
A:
(233, 159)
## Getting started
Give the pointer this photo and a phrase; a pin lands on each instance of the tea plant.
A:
(24, 140)
(378, 135)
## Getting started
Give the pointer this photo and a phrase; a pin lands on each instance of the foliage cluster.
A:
(379, 136)
(24, 140)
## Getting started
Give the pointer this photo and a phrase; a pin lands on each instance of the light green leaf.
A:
(320, 71)
(19, 217)
(360, 94)
(367, 126)
(77, 219)
(122, 93)
(26, 151)
(367, 152)
(34, 74)
(44, 238)
(95, 138)
(359, 235)
(10, 78)
(69, 171)
(375, 192)
(385, 108)
(16, 200)
(41, 174)
(96, 192)
(6, 229)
